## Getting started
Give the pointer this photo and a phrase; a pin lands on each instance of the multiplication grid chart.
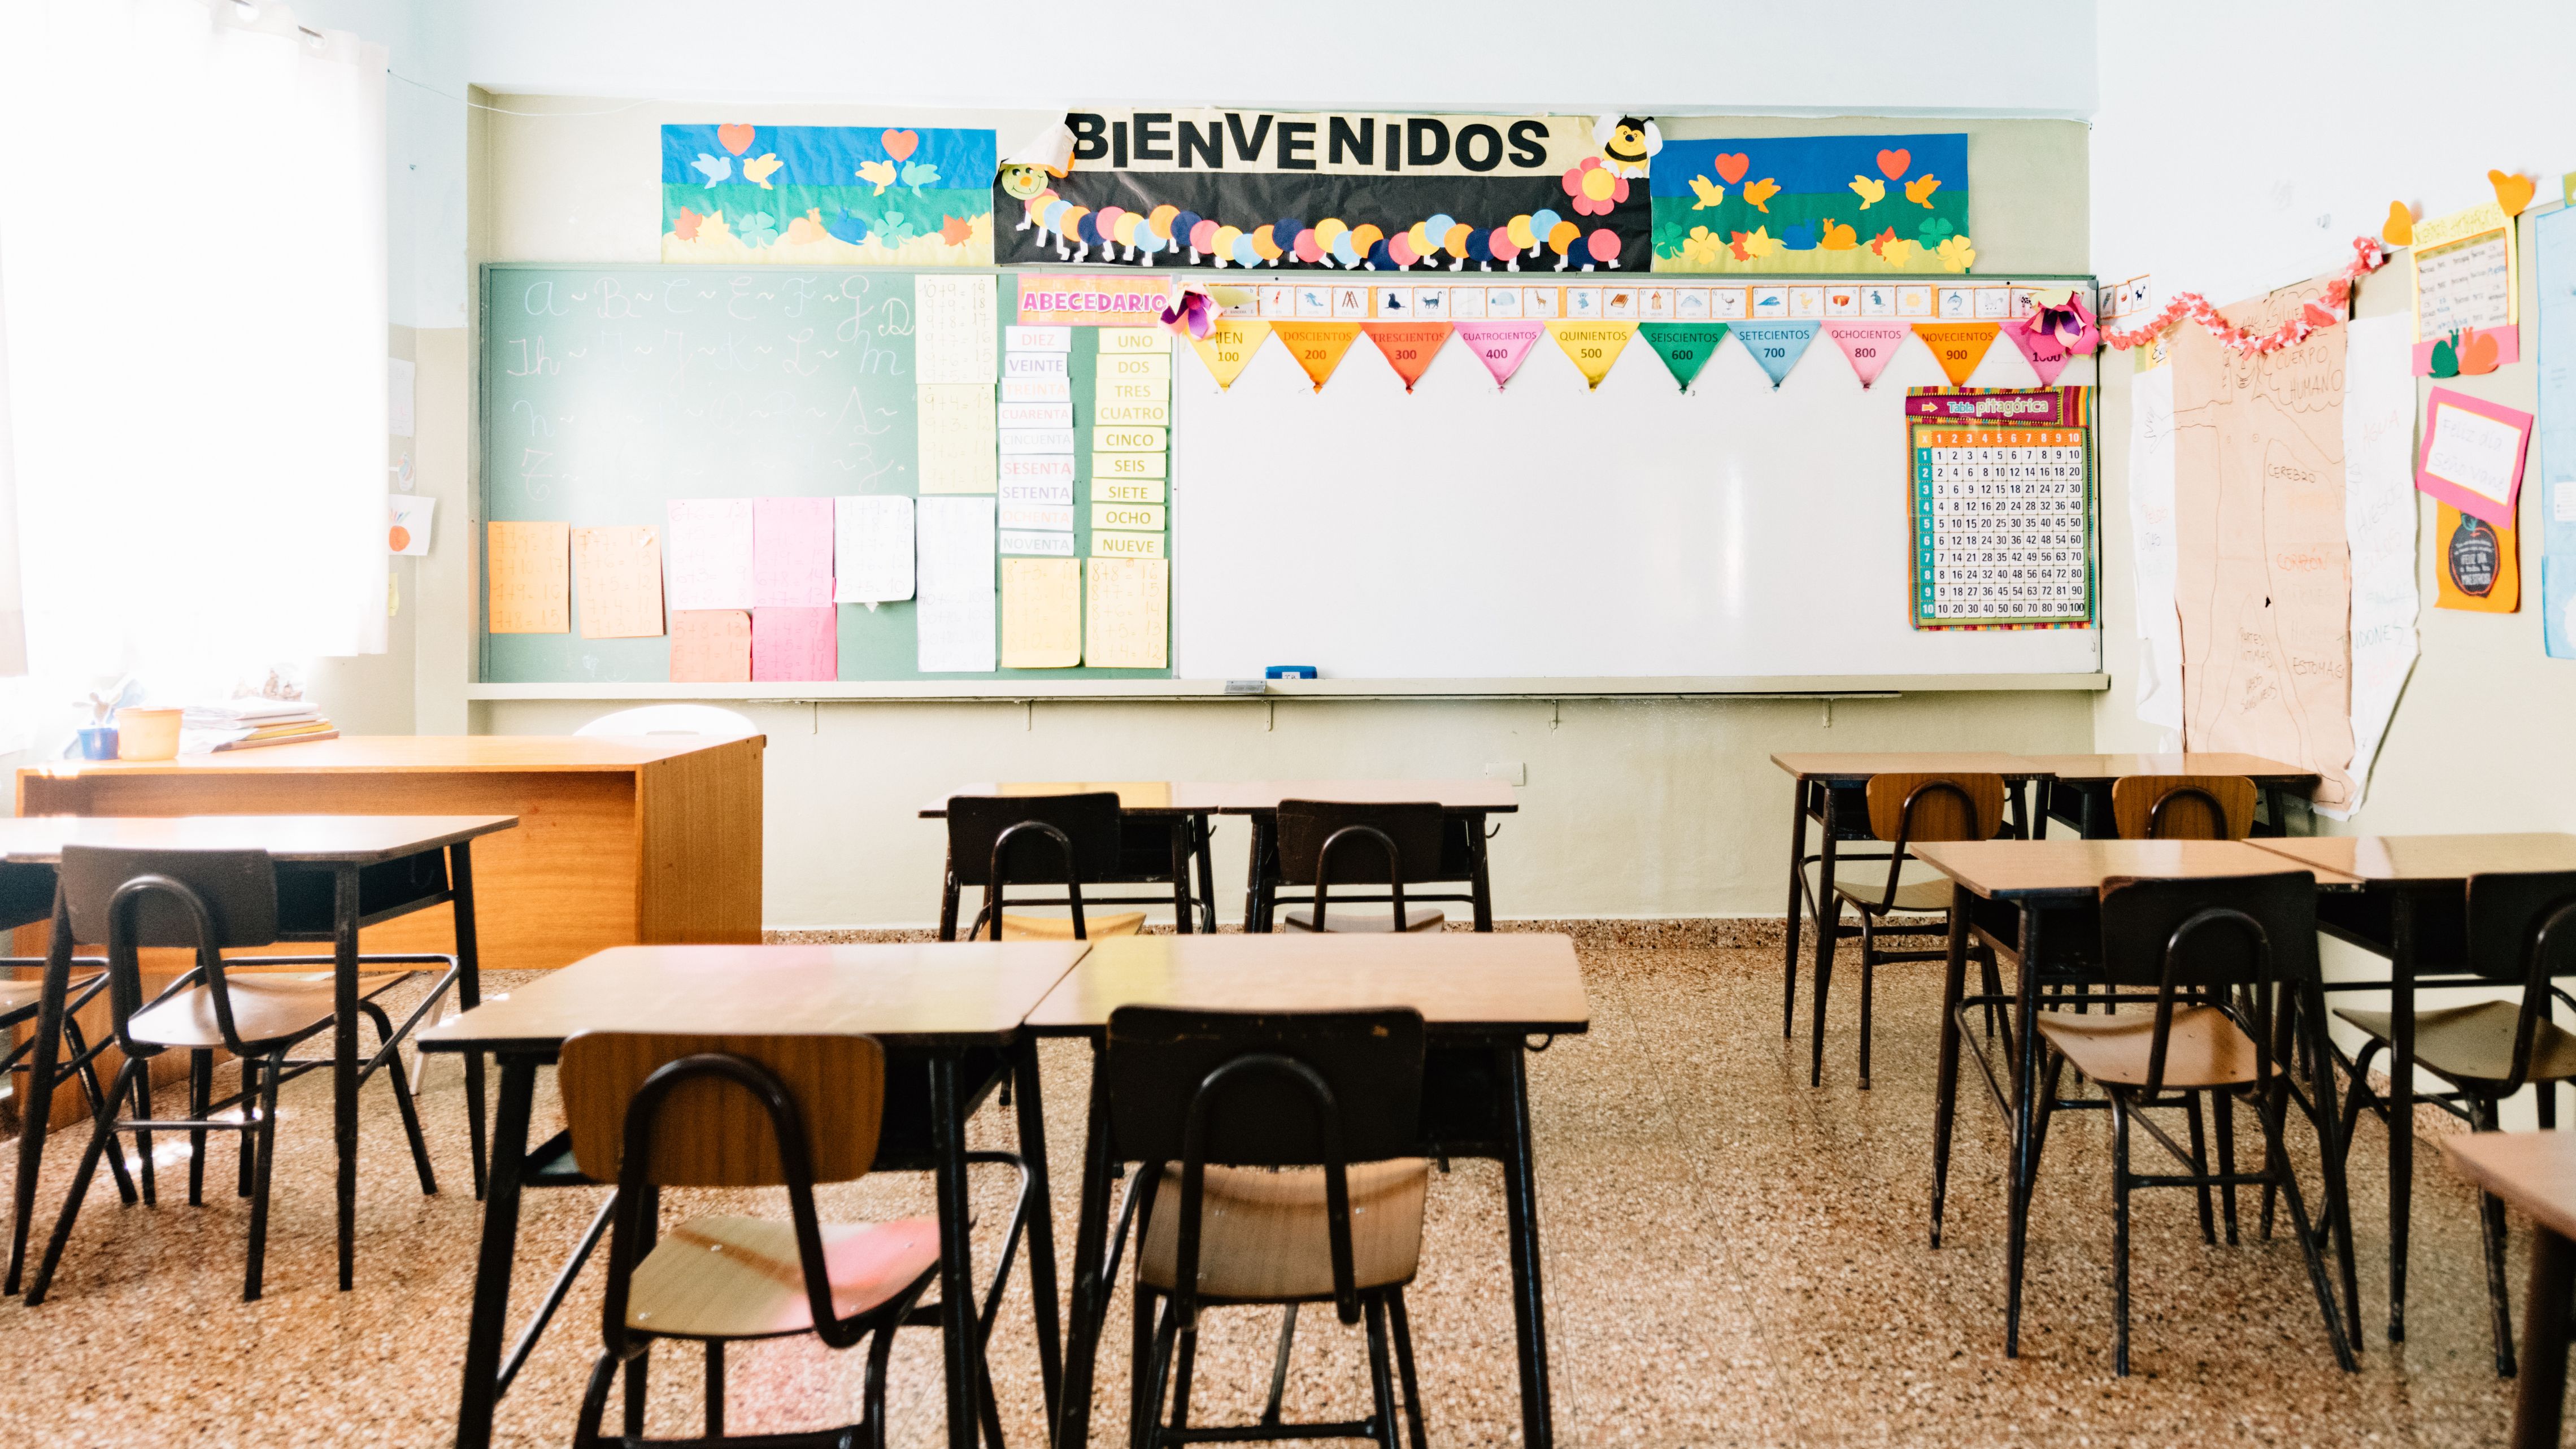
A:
(2002, 505)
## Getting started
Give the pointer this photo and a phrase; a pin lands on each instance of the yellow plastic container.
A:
(147, 734)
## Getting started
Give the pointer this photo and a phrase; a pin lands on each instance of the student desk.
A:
(621, 840)
(2078, 788)
(1481, 997)
(2412, 909)
(336, 874)
(2050, 885)
(937, 1009)
(1175, 807)
(1465, 802)
(2535, 1172)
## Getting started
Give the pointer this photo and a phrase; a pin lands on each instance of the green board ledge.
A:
(932, 691)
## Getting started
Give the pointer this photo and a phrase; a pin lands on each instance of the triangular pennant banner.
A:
(1500, 345)
(1593, 346)
(1777, 346)
(1409, 346)
(1685, 347)
(2044, 349)
(1867, 345)
(1228, 348)
(1317, 346)
(1957, 346)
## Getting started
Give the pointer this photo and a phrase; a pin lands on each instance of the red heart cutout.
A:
(1892, 164)
(899, 144)
(736, 139)
(1733, 167)
(2478, 354)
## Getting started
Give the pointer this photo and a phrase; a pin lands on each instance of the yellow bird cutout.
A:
(879, 172)
(1760, 193)
(1708, 192)
(1920, 189)
(757, 170)
(1870, 189)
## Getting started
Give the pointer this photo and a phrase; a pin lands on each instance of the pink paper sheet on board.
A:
(791, 552)
(2473, 454)
(795, 643)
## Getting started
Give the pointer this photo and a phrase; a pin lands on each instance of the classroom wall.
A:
(1639, 808)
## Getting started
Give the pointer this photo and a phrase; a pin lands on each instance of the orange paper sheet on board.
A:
(1408, 346)
(618, 574)
(2477, 563)
(1957, 346)
(711, 646)
(1317, 346)
(1227, 349)
(526, 572)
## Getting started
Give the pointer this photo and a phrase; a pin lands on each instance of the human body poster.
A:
(1238, 188)
(828, 195)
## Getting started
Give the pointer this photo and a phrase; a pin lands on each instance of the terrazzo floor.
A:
(1731, 1259)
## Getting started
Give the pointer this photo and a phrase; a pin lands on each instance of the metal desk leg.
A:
(469, 994)
(2025, 1077)
(36, 1104)
(2401, 1103)
(2334, 1150)
(344, 1062)
(1202, 833)
(1479, 883)
(1257, 895)
(499, 1253)
(948, 889)
(1090, 1250)
(1829, 925)
(2019, 799)
(1041, 1222)
(957, 1325)
(1797, 907)
(1529, 1301)
(2540, 1394)
(1180, 875)
(1946, 1095)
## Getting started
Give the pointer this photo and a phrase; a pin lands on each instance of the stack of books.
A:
(247, 724)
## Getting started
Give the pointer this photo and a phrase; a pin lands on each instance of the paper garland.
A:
(1408, 346)
(1957, 346)
(1500, 346)
(1867, 346)
(1317, 346)
(1776, 346)
(2366, 258)
(1228, 348)
(1685, 347)
(1593, 347)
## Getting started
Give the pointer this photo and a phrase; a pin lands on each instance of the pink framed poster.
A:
(2473, 452)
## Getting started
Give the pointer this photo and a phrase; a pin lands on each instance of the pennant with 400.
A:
(1232, 188)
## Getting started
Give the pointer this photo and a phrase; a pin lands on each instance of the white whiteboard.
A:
(1543, 532)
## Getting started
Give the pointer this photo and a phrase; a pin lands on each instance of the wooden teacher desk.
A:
(646, 840)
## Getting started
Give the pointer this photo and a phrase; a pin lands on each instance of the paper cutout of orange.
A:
(1317, 346)
(2513, 193)
(2478, 352)
(2400, 230)
(399, 539)
(1957, 346)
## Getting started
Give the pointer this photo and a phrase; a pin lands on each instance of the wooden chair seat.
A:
(1913, 897)
(1016, 927)
(267, 1008)
(1362, 920)
(2475, 1042)
(734, 1277)
(2206, 1048)
(1262, 1236)
(18, 996)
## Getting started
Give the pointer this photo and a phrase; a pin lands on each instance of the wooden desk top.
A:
(422, 753)
(919, 994)
(1516, 981)
(2005, 869)
(2534, 1171)
(2198, 762)
(2425, 859)
(1854, 766)
(338, 839)
(1250, 797)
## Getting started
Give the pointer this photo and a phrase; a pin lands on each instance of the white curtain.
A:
(192, 305)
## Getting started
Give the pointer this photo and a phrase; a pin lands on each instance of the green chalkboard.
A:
(609, 391)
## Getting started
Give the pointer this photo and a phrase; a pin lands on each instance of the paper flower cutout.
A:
(1933, 230)
(896, 229)
(1956, 254)
(758, 229)
(1594, 187)
(1870, 192)
(1192, 313)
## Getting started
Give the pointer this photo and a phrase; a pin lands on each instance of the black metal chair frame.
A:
(2251, 1008)
(265, 1066)
(79, 1063)
(2477, 1103)
(1265, 900)
(1394, 870)
(1190, 845)
(1869, 931)
(1167, 1344)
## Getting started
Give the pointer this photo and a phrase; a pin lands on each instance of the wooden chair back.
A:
(712, 1131)
(2183, 807)
(1948, 805)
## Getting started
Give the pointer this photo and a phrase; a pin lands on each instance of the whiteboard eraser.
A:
(1246, 686)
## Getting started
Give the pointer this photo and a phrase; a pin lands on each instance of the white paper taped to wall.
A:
(2379, 520)
(2151, 530)
(871, 549)
(956, 582)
